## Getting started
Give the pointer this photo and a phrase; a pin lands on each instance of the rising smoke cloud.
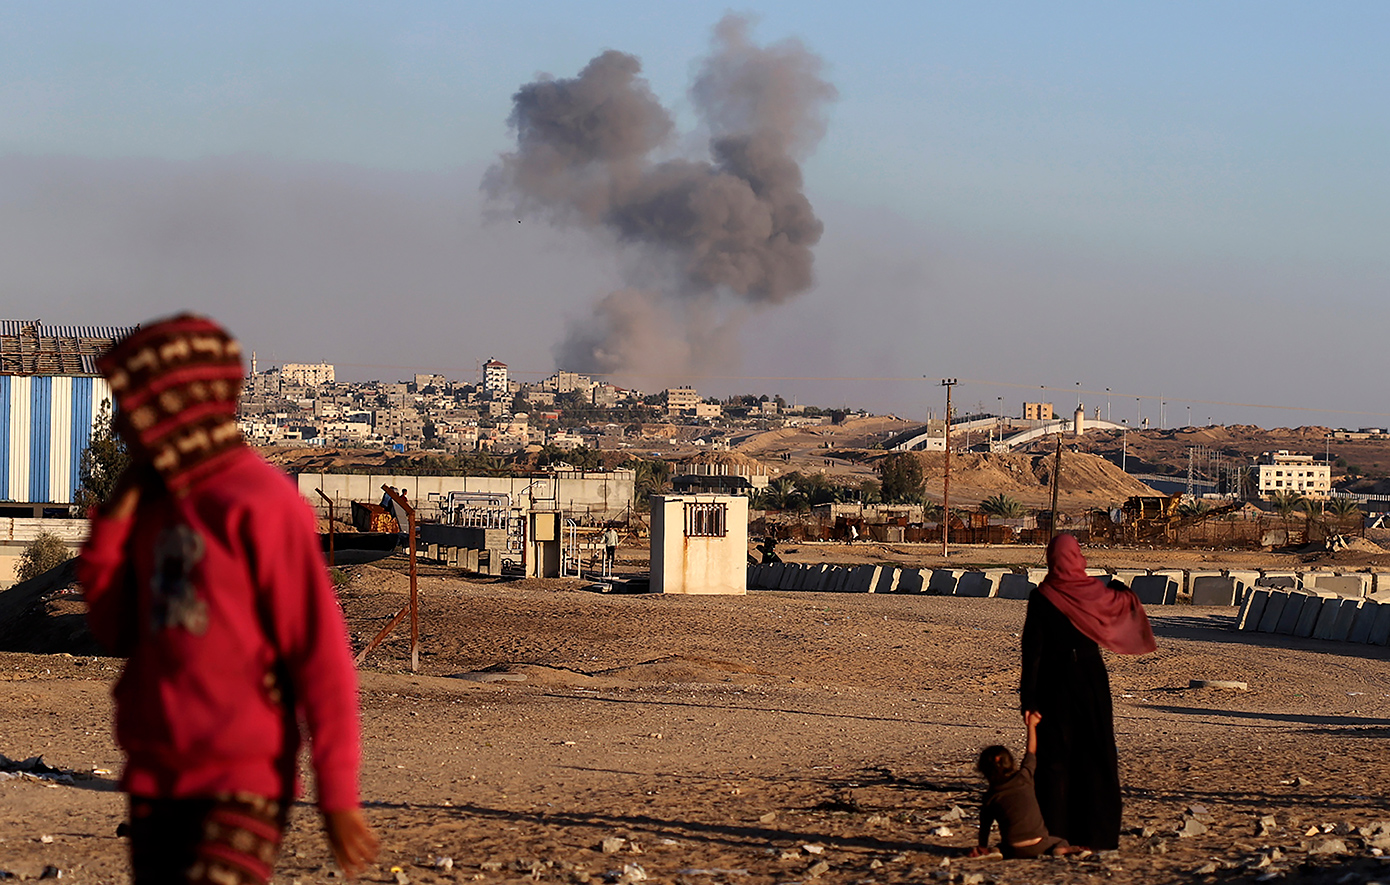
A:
(713, 237)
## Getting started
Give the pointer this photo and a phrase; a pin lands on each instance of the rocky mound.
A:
(46, 615)
(1086, 480)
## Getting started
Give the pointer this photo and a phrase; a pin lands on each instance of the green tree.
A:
(1002, 506)
(901, 476)
(41, 554)
(871, 491)
(102, 462)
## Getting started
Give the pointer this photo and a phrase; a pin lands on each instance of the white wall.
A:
(698, 565)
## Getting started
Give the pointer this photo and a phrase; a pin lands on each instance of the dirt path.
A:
(720, 737)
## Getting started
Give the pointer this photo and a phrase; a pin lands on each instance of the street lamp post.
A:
(947, 383)
(1107, 404)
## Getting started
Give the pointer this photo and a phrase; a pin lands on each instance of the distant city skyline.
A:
(1180, 200)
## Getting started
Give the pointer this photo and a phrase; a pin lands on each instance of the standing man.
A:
(610, 549)
(204, 569)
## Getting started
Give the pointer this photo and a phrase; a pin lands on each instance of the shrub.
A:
(43, 553)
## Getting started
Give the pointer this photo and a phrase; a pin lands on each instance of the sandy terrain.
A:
(775, 737)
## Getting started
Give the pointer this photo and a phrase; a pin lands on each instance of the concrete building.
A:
(306, 374)
(1038, 412)
(699, 544)
(681, 399)
(1284, 472)
(567, 382)
(495, 378)
(50, 397)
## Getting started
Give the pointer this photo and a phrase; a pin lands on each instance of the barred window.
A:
(706, 520)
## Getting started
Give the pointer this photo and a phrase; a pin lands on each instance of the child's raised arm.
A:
(1031, 720)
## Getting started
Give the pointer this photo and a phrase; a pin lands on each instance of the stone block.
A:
(887, 580)
(1252, 609)
(910, 581)
(1380, 626)
(1365, 620)
(1327, 617)
(1015, 586)
(1312, 611)
(943, 581)
(974, 584)
(1155, 589)
(1352, 585)
(1209, 589)
(1279, 580)
(1346, 618)
(1293, 607)
(1274, 609)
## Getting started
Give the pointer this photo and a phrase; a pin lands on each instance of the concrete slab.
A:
(1281, 580)
(1274, 610)
(1155, 589)
(887, 580)
(1346, 618)
(975, 585)
(1244, 578)
(1365, 620)
(1311, 613)
(943, 581)
(835, 579)
(1293, 607)
(1177, 576)
(1126, 576)
(1353, 586)
(1252, 609)
(1015, 586)
(1210, 589)
(861, 579)
(1327, 617)
(784, 576)
(1380, 626)
(910, 581)
(1036, 575)
(995, 575)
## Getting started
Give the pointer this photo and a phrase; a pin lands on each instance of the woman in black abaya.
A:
(1070, 616)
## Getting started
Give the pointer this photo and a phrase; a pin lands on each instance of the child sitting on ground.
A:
(1010, 801)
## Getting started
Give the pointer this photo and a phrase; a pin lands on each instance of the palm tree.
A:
(1344, 510)
(1286, 502)
(1002, 506)
(779, 494)
(1194, 509)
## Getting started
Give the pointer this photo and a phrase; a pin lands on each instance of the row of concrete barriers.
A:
(1317, 614)
(1153, 586)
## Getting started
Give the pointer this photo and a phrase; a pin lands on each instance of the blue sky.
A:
(1179, 198)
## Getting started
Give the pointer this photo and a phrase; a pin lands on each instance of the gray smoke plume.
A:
(713, 235)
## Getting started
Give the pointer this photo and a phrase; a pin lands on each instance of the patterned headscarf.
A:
(176, 383)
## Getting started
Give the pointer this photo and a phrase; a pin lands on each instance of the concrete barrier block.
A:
(1252, 608)
(910, 581)
(1380, 625)
(1293, 607)
(974, 584)
(887, 580)
(1126, 576)
(1244, 578)
(1327, 617)
(785, 573)
(1353, 586)
(807, 577)
(862, 579)
(995, 575)
(1036, 575)
(1346, 618)
(1312, 611)
(1380, 584)
(1279, 580)
(1102, 573)
(1274, 610)
(1015, 586)
(943, 581)
(1177, 576)
(1365, 620)
(1209, 589)
(1155, 589)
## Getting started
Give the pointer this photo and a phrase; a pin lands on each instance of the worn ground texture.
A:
(560, 735)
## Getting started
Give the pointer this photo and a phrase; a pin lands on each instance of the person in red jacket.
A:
(204, 569)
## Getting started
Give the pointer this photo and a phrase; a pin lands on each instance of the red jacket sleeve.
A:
(103, 569)
(311, 637)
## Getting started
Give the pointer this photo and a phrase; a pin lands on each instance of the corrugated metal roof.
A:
(28, 347)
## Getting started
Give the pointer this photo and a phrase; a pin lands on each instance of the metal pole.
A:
(414, 585)
(329, 501)
(947, 383)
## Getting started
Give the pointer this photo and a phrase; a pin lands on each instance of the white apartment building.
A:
(1283, 472)
(495, 377)
(307, 374)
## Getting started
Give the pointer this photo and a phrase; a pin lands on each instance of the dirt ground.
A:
(559, 735)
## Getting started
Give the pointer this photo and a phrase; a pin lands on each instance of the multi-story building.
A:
(495, 377)
(1038, 412)
(1283, 472)
(307, 374)
(681, 399)
(565, 382)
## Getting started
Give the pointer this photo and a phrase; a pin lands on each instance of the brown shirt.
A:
(1013, 804)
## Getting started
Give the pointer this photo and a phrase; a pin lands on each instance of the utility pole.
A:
(947, 383)
(1056, 482)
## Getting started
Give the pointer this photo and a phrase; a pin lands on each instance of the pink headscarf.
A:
(1113, 618)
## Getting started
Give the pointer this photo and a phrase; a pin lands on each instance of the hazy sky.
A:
(1185, 200)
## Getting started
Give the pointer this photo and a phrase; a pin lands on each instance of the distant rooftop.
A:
(28, 347)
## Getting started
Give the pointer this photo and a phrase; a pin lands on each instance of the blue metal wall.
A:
(45, 425)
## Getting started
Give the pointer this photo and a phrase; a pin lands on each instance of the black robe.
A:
(1064, 679)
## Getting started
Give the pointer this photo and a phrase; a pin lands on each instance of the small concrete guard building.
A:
(699, 544)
